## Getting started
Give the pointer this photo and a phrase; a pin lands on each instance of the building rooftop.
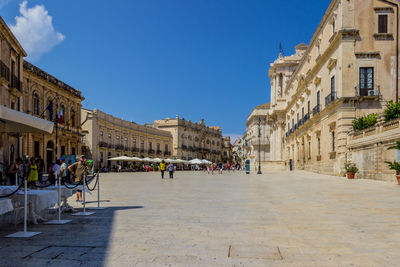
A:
(51, 79)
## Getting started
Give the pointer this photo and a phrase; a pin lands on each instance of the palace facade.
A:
(194, 139)
(49, 98)
(106, 136)
(349, 69)
(256, 143)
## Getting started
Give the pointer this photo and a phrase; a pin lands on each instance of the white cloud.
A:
(34, 30)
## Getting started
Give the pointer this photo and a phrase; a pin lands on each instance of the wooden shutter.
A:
(382, 23)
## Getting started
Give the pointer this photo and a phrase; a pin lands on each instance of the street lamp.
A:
(259, 146)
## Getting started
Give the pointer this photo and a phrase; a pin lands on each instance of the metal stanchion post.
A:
(25, 233)
(84, 212)
(98, 195)
(59, 221)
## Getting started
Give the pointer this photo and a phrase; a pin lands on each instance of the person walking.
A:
(171, 169)
(220, 167)
(162, 169)
(79, 170)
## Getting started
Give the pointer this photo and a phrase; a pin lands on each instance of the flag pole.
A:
(56, 126)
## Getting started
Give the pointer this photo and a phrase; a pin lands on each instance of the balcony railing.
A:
(159, 152)
(184, 147)
(330, 98)
(142, 150)
(151, 151)
(103, 144)
(110, 146)
(15, 83)
(119, 147)
(135, 149)
(316, 109)
(167, 153)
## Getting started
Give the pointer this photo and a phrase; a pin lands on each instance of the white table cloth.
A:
(39, 200)
(65, 194)
(7, 189)
(5, 205)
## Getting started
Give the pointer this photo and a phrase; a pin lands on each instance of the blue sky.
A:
(150, 59)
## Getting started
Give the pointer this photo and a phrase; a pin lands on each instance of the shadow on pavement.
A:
(84, 241)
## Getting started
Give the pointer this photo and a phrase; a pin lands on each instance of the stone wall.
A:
(368, 149)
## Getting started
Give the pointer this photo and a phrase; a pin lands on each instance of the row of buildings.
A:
(349, 69)
(31, 100)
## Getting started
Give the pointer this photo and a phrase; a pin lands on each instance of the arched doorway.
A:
(49, 152)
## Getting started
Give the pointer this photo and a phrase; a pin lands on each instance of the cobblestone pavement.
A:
(274, 219)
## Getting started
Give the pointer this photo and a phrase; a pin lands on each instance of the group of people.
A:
(164, 167)
(220, 167)
(33, 171)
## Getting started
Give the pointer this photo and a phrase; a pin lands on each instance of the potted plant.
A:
(395, 165)
(351, 170)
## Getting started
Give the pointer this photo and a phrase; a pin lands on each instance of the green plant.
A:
(350, 167)
(365, 122)
(394, 166)
(392, 110)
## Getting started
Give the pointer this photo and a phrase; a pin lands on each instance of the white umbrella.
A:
(181, 161)
(137, 159)
(121, 158)
(204, 161)
(169, 160)
(158, 160)
(195, 162)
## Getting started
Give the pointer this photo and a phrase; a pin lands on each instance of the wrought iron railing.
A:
(316, 109)
(330, 98)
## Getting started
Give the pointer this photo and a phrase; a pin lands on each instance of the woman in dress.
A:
(33, 175)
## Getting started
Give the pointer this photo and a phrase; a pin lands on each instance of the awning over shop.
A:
(12, 121)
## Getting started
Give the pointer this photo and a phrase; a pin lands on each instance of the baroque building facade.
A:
(106, 136)
(49, 98)
(257, 137)
(193, 140)
(349, 69)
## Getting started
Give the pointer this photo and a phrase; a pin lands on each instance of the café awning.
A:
(13, 121)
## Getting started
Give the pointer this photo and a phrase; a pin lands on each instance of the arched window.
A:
(36, 104)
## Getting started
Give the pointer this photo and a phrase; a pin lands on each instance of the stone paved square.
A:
(234, 219)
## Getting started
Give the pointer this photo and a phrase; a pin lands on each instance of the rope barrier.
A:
(9, 195)
(97, 180)
(73, 187)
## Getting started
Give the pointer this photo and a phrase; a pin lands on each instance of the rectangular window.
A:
(308, 107)
(319, 145)
(302, 112)
(166, 148)
(101, 157)
(101, 136)
(333, 141)
(383, 24)
(63, 149)
(36, 145)
(134, 143)
(333, 85)
(366, 80)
